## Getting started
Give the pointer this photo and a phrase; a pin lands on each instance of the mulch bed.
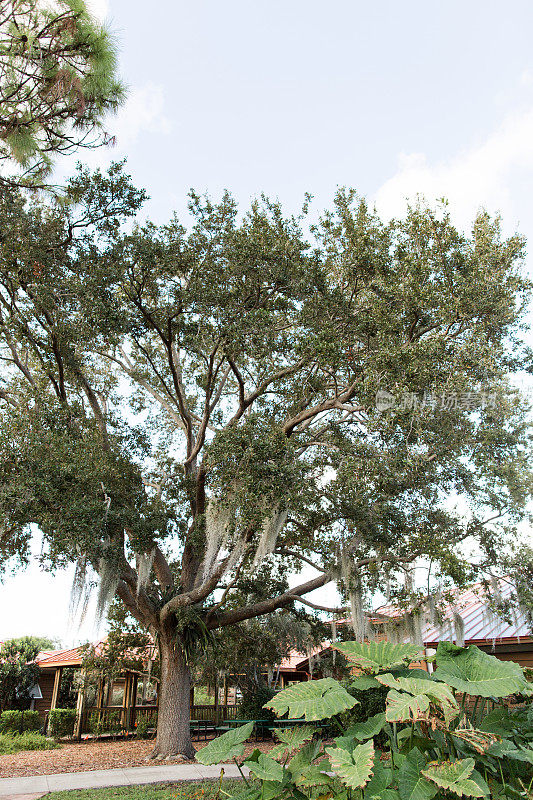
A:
(87, 756)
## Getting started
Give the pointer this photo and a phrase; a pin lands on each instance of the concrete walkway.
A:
(38, 785)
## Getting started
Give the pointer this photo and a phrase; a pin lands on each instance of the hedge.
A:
(20, 721)
(61, 722)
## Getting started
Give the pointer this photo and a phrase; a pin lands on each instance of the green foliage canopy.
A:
(18, 672)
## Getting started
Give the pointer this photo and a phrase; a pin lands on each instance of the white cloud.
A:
(143, 111)
(483, 176)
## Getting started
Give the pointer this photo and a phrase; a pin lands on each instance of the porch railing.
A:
(115, 720)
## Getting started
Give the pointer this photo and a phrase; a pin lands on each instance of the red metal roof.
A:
(73, 657)
(481, 624)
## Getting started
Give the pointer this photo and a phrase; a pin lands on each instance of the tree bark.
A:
(173, 717)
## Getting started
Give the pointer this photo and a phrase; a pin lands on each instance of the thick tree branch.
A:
(283, 551)
(211, 376)
(266, 606)
(128, 598)
(245, 401)
(95, 405)
(340, 402)
(200, 592)
(162, 570)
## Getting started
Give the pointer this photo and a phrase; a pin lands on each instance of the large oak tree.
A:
(183, 407)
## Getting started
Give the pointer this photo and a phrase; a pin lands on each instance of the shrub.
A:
(253, 702)
(24, 741)
(144, 728)
(20, 721)
(430, 744)
(61, 722)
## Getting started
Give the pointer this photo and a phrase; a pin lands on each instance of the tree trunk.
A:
(173, 717)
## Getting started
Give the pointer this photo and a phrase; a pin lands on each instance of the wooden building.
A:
(123, 702)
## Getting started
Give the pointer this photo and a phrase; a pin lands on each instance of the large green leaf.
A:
(478, 778)
(295, 737)
(417, 685)
(470, 670)
(303, 759)
(378, 656)
(367, 729)
(361, 731)
(314, 775)
(312, 700)
(364, 682)
(266, 769)
(411, 784)
(291, 739)
(270, 790)
(229, 745)
(403, 707)
(354, 769)
(437, 692)
(498, 721)
(455, 777)
(507, 749)
(379, 781)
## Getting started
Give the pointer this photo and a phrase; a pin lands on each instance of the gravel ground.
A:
(86, 756)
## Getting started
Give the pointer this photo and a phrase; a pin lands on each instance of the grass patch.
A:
(186, 790)
(14, 743)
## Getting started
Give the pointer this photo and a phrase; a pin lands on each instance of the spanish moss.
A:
(270, 531)
(334, 639)
(80, 591)
(459, 626)
(144, 565)
(218, 521)
(107, 586)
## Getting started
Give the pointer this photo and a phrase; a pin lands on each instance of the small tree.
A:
(18, 671)
(181, 407)
(127, 646)
(57, 81)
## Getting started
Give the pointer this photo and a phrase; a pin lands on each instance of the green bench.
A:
(202, 726)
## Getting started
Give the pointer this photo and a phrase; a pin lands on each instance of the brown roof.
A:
(60, 658)
(72, 657)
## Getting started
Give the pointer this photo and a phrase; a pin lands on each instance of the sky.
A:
(393, 99)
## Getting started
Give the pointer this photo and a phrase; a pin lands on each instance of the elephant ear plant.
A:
(439, 741)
